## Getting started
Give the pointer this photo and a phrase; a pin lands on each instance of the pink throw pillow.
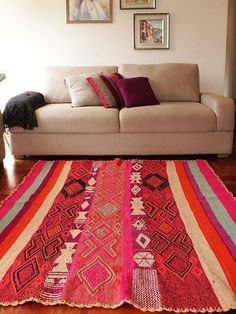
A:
(106, 90)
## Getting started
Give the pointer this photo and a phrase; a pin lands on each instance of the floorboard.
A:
(12, 173)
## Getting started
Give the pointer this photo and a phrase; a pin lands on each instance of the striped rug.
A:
(160, 235)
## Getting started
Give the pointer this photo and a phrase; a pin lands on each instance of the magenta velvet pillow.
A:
(136, 91)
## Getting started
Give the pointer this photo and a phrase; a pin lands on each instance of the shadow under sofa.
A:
(185, 122)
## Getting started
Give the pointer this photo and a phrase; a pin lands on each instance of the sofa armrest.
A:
(224, 109)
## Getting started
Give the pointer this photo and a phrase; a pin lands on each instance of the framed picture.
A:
(151, 31)
(89, 11)
(137, 4)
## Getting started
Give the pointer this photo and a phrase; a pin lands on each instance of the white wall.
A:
(34, 33)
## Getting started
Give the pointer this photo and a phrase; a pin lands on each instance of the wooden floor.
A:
(12, 173)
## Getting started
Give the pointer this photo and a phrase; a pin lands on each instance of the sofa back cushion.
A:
(55, 89)
(169, 81)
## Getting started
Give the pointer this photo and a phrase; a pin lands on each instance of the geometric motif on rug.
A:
(95, 275)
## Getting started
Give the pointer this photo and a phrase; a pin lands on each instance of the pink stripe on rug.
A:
(127, 238)
(219, 189)
(7, 203)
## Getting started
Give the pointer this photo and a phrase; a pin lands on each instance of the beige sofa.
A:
(186, 122)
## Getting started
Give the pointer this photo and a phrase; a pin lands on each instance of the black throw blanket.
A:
(20, 110)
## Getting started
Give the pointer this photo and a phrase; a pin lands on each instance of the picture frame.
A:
(86, 11)
(151, 31)
(137, 4)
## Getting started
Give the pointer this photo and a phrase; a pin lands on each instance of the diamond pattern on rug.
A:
(95, 275)
(25, 274)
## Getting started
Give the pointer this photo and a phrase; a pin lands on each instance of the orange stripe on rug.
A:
(224, 257)
(17, 230)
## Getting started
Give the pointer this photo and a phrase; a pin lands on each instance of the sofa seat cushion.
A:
(62, 118)
(168, 117)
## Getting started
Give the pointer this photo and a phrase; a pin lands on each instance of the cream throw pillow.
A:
(81, 93)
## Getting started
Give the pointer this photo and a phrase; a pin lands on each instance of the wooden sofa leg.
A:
(20, 157)
(222, 155)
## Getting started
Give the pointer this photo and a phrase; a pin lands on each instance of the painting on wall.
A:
(137, 4)
(151, 31)
(89, 11)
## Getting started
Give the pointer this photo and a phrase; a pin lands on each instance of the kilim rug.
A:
(159, 235)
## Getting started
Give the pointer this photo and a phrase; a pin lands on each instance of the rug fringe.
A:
(114, 306)
(93, 158)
